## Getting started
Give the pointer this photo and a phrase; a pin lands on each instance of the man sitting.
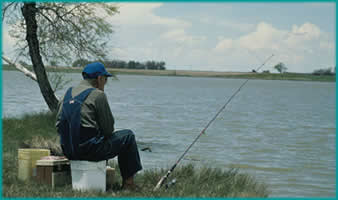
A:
(86, 126)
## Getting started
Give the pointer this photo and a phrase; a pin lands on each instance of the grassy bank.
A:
(38, 131)
(186, 73)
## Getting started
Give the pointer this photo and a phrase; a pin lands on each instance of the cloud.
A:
(227, 24)
(177, 45)
(294, 47)
(144, 35)
(141, 14)
(265, 36)
(303, 34)
(200, 43)
(177, 42)
(309, 30)
(179, 36)
(224, 44)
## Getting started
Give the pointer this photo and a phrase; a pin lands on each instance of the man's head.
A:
(97, 73)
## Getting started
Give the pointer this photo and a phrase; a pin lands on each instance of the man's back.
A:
(95, 110)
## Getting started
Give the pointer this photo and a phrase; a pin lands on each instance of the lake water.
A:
(281, 132)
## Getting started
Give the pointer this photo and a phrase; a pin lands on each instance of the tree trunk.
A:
(29, 12)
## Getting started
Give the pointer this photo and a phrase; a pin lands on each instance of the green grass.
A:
(38, 131)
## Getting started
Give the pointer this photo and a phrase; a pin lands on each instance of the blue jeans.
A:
(121, 143)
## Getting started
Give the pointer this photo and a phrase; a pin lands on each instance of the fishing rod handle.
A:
(160, 183)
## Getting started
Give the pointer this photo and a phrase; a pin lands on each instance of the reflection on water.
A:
(282, 132)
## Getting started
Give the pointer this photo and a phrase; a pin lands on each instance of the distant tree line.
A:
(280, 67)
(327, 71)
(154, 65)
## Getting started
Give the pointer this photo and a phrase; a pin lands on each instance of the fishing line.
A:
(161, 181)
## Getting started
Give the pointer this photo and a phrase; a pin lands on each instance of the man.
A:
(86, 126)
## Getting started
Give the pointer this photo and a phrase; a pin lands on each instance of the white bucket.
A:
(88, 175)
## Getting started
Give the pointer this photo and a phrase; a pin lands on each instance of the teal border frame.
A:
(177, 1)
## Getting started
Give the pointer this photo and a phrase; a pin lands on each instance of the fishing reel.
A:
(170, 183)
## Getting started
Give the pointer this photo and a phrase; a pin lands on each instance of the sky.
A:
(223, 36)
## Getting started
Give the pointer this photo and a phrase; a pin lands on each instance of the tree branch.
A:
(21, 68)
(5, 9)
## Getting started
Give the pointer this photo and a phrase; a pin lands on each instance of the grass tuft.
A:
(39, 142)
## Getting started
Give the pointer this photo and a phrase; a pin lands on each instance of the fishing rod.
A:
(163, 179)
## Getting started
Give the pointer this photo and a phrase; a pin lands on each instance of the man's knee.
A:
(129, 134)
(128, 131)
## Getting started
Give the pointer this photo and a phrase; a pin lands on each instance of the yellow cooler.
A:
(27, 162)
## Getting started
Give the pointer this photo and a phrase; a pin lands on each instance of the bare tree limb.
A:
(21, 68)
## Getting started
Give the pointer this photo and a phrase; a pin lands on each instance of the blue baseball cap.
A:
(93, 70)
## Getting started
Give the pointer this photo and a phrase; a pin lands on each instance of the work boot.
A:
(128, 184)
(131, 187)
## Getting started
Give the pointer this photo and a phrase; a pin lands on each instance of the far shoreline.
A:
(211, 74)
